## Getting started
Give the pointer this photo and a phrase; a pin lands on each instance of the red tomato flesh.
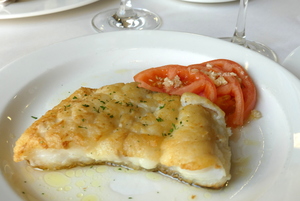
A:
(224, 82)
(247, 85)
(176, 79)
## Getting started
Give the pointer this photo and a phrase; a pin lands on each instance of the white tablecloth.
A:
(275, 23)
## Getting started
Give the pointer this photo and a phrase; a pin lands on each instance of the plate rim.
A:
(6, 68)
(44, 12)
(208, 1)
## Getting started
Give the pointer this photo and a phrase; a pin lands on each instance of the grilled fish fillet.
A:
(181, 136)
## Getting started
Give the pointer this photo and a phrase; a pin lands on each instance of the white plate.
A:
(265, 156)
(29, 8)
(292, 62)
(208, 1)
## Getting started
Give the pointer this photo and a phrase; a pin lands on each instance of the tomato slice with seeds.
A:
(230, 100)
(229, 92)
(176, 79)
(224, 82)
(247, 85)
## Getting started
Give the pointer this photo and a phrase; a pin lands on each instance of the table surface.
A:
(275, 23)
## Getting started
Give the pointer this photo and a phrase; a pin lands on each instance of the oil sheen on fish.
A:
(184, 137)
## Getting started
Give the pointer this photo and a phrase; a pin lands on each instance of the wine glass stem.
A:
(125, 10)
(239, 36)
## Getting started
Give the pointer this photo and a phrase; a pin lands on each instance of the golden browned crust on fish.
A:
(122, 124)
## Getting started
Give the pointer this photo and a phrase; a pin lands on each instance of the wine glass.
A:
(6, 2)
(239, 36)
(126, 18)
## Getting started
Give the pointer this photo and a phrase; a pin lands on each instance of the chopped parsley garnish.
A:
(66, 106)
(85, 105)
(82, 127)
(159, 119)
(161, 107)
(102, 107)
(102, 101)
(170, 131)
(129, 104)
(110, 115)
(33, 117)
(174, 127)
(97, 110)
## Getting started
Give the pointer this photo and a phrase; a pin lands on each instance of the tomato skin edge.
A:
(150, 77)
(249, 89)
(240, 87)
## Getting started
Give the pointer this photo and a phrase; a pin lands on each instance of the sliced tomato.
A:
(224, 82)
(231, 101)
(176, 79)
(247, 85)
(229, 93)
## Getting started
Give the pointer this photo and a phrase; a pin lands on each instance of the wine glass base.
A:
(257, 47)
(144, 19)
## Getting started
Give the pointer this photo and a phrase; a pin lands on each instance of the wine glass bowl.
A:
(6, 2)
(239, 36)
(255, 46)
(126, 18)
